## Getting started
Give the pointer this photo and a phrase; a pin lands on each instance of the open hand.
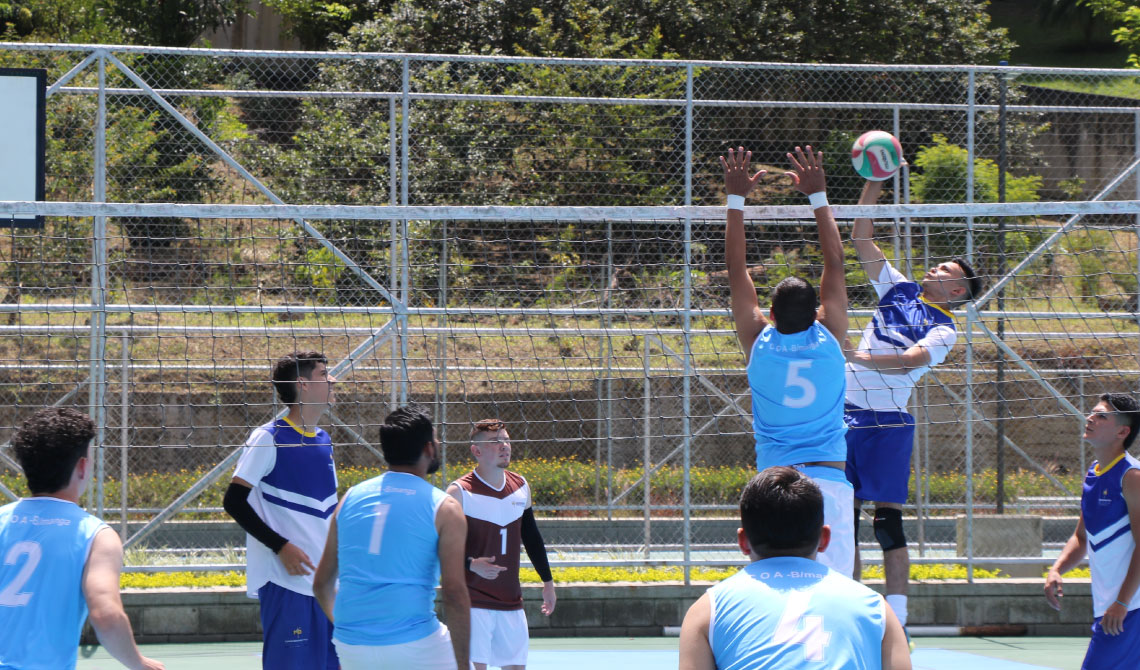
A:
(737, 180)
(808, 175)
(1053, 590)
(295, 560)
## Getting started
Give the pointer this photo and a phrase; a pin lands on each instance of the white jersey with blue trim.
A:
(1109, 532)
(790, 613)
(294, 492)
(388, 553)
(44, 545)
(797, 397)
(902, 320)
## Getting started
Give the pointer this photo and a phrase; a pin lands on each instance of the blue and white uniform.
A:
(1110, 547)
(44, 545)
(294, 492)
(797, 388)
(880, 434)
(388, 553)
(789, 613)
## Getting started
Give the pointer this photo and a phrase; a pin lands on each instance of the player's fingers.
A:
(799, 167)
(757, 177)
(802, 158)
(724, 163)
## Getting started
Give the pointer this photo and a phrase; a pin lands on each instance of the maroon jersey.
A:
(494, 529)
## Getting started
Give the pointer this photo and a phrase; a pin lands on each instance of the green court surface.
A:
(994, 653)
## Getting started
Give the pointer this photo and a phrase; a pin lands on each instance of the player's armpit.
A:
(696, 653)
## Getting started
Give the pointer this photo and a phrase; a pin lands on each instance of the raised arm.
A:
(811, 180)
(746, 312)
(863, 234)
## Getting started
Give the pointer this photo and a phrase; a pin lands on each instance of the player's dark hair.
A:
(290, 368)
(793, 305)
(781, 511)
(1127, 412)
(404, 434)
(973, 283)
(49, 444)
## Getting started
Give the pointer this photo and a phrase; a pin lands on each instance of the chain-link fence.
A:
(601, 336)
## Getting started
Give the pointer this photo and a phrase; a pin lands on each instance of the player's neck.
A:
(1107, 454)
(493, 476)
(305, 417)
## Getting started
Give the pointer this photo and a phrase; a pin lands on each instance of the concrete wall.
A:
(226, 614)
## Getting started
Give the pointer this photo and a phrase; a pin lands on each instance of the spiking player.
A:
(785, 611)
(795, 360)
(497, 503)
(282, 494)
(1107, 531)
(57, 561)
(912, 330)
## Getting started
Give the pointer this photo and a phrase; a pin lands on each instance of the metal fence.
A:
(553, 267)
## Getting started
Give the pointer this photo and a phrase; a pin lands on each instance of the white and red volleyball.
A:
(876, 155)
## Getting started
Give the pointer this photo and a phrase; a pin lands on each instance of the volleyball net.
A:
(601, 336)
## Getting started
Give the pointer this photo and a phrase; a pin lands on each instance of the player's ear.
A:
(824, 539)
(742, 540)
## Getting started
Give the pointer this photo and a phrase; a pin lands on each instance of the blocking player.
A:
(497, 503)
(282, 494)
(794, 357)
(912, 330)
(392, 540)
(58, 561)
(784, 610)
(1107, 531)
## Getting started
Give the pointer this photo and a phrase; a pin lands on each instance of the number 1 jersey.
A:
(798, 385)
(44, 544)
(494, 529)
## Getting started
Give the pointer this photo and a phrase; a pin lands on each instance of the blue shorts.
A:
(879, 445)
(297, 634)
(1114, 651)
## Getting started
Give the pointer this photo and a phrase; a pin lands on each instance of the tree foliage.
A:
(1126, 18)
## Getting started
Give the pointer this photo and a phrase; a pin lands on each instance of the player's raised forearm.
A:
(863, 232)
(738, 183)
(833, 282)
(892, 363)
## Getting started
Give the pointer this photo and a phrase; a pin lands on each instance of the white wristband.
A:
(736, 202)
(818, 199)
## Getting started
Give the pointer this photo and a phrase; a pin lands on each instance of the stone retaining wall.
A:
(226, 614)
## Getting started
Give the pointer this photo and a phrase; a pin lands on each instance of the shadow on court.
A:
(1023, 653)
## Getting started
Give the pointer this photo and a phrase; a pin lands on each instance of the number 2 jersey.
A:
(788, 613)
(494, 529)
(798, 384)
(44, 544)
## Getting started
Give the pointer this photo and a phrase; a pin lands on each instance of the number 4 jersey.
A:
(798, 385)
(788, 613)
(44, 544)
(494, 529)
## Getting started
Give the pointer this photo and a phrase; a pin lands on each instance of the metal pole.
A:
(970, 317)
(441, 351)
(98, 352)
(404, 275)
(1136, 157)
(1081, 422)
(895, 193)
(999, 444)
(646, 427)
(124, 429)
(393, 246)
(609, 372)
(686, 325)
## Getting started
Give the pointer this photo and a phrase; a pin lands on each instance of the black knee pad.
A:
(889, 528)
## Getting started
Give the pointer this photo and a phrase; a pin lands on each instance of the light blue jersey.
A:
(798, 386)
(387, 550)
(791, 613)
(44, 544)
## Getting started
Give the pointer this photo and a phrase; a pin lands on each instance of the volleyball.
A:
(876, 155)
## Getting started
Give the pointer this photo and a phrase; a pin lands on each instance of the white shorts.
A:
(433, 652)
(839, 513)
(499, 637)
